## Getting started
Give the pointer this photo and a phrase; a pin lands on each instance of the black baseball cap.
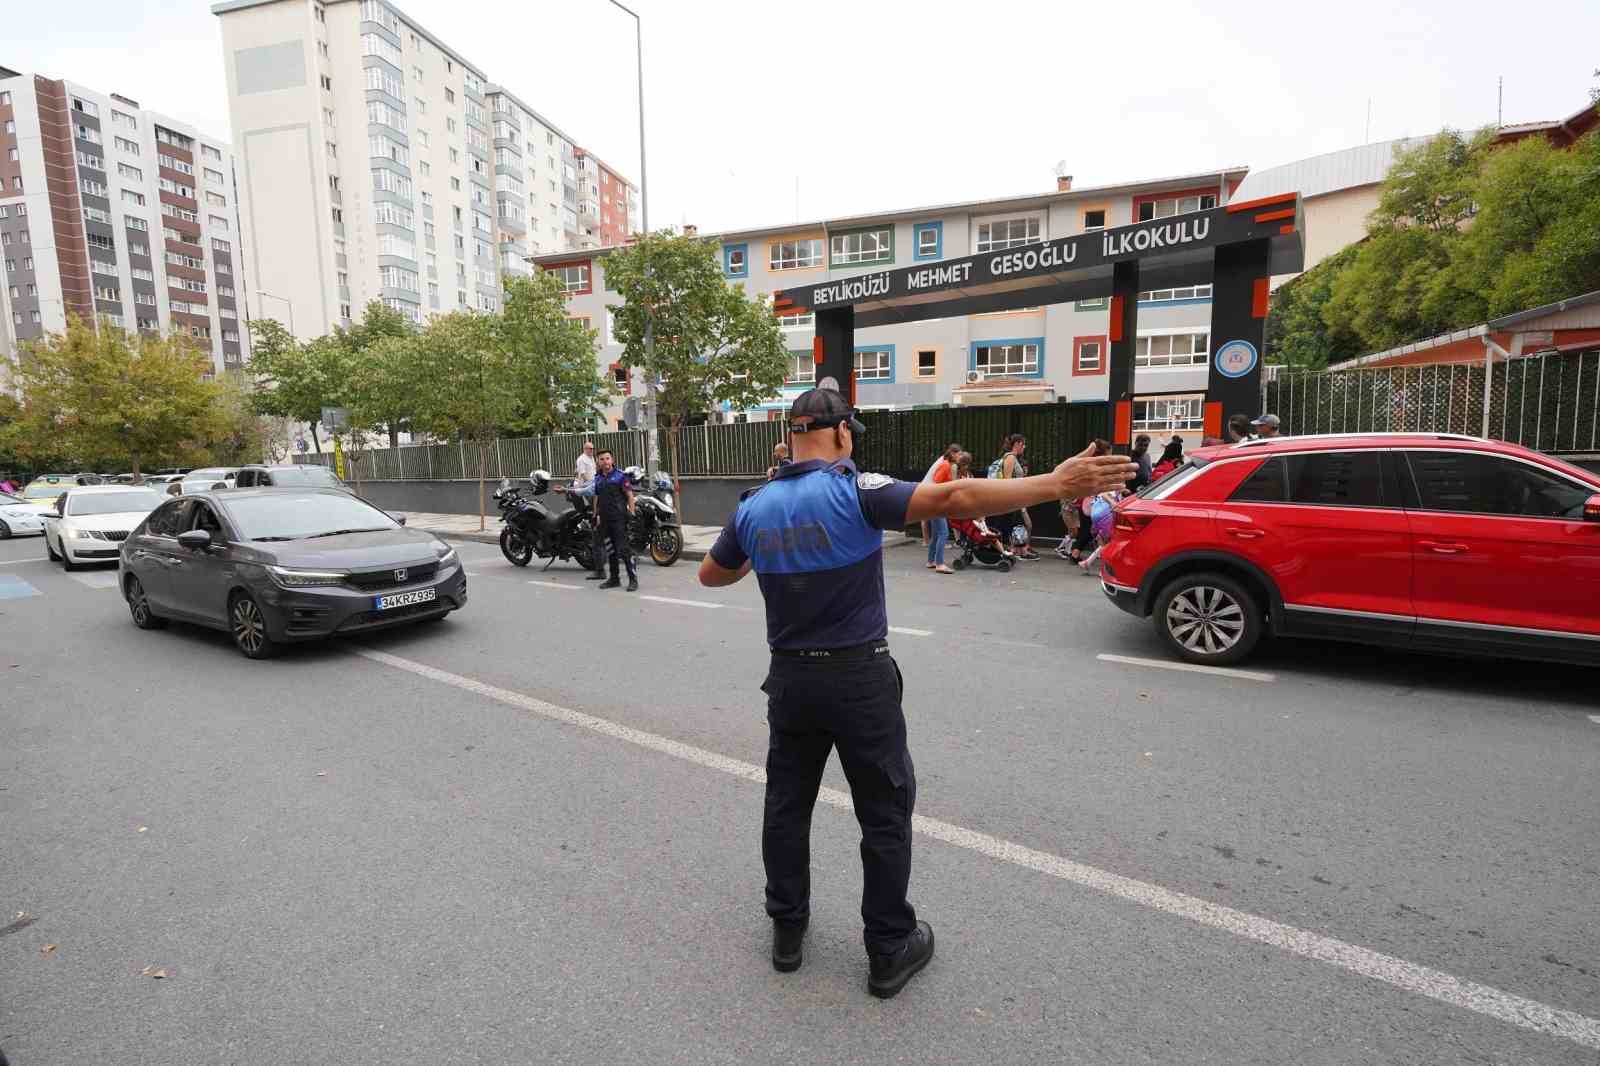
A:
(823, 408)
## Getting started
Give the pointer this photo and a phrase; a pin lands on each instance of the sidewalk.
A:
(697, 540)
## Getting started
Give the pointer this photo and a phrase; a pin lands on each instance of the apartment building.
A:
(1049, 354)
(378, 163)
(115, 214)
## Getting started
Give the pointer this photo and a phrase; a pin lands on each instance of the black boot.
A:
(610, 582)
(786, 941)
(888, 974)
(598, 575)
(633, 583)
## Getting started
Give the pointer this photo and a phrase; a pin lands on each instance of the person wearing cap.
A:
(1267, 426)
(814, 537)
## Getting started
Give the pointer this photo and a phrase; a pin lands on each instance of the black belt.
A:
(869, 650)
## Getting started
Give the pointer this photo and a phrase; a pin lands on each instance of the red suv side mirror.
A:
(1591, 508)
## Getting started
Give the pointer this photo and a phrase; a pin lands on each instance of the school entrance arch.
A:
(1235, 249)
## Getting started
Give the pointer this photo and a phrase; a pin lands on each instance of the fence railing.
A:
(1550, 403)
(902, 443)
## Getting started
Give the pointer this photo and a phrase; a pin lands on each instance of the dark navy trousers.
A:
(852, 703)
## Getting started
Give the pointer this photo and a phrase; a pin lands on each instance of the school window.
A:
(735, 261)
(1191, 292)
(875, 364)
(1177, 205)
(574, 279)
(1169, 414)
(619, 378)
(802, 369)
(1098, 304)
(1094, 218)
(795, 255)
(1009, 357)
(930, 240)
(1089, 355)
(799, 320)
(1007, 233)
(927, 363)
(1172, 349)
(863, 247)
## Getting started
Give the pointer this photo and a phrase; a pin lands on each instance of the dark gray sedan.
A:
(274, 566)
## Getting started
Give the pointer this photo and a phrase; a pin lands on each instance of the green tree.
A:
(106, 395)
(295, 380)
(1297, 335)
(551, 359)
(468, 386)
(712, 343)
(240, 434)
(378, 361)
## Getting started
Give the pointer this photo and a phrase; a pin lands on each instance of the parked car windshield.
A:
(43, 490)
(294, 516)
(307, 474)
(208, 476)
(81, 503)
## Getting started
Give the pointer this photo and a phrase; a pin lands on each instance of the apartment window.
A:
(221, 245)
(795, 255)
(27, 262)
(124, 145)
(1190, 292)
(1007, 233)
(449, 96)
(126, 121)
(393, 214)
(192, 262)
(147, 298)
(132, 198)
(217, 222)
(32, 289)
(1094, 218)
(214, 154)
(11, 154)
(141, 274)
(186, 191)
(455, 156)
(98, 240)
(389, 181)
(802, 368)
(137, 224)
(455, 184)
(383, 148)
(384, 115)
(33, 316)
(1177, 205)
(1088, 355)
(333, 150)
(1100, 303)
(135, 248)
(216, 200)
(174, 163)
(5, 99)
(928, 363)
(875, 364)
(373, 44)
(327, 83)
(131, 173)
(862, 247)
(394, 244)
(450, 125)
(801, 320)
(93, 162)
(11, 125)
(230, 336)
(322, 46)
(94, 214)
(929, 239)
(574, 279)
(223, 268)
(1012, 358)
(88, 107)
(392, 277)
(16, 318)
(1169, 414)
(422, 138)
(107, 292)
(338, 216)
(1172, 349)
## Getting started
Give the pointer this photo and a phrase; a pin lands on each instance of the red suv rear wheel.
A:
(1208, 618)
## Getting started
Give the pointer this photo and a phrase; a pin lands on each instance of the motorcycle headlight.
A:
(296, 579)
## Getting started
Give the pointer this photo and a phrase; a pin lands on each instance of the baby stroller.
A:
(979, 546)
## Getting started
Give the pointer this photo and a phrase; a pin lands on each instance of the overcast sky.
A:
(761, 113)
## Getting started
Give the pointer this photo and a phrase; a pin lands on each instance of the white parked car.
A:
(203, 480)
(18, 518)
(90, 523)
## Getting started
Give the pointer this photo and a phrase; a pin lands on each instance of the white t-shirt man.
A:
(583, 470)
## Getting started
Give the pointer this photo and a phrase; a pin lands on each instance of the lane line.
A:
(554, 585)
(1595, 718)
(23, 562)
(685, 603)
(1409, 976)
(105, 579)
(1193, 668)
(904, 631)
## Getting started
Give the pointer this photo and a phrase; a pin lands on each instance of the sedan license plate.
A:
(403, 599)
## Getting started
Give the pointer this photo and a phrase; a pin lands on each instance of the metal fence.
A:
(1550, 403)
(902, 443)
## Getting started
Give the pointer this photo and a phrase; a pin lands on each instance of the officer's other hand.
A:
(1088, 474)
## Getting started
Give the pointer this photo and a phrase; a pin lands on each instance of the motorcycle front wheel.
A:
(667, 545)
(518, 551)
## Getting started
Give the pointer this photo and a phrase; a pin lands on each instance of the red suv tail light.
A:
(1132, 522)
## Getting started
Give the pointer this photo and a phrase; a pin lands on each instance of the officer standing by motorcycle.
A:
(814, 537)
(612, 490)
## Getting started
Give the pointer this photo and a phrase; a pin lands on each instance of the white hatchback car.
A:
(90, 523)
(18, 518)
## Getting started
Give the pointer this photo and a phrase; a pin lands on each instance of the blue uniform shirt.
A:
(610, 489)
(814, 534)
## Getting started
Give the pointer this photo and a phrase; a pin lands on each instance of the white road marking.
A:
(903, 631)
(553, 585)
(99, 579)
(1193, 668)
(708, 605)
(1595, 718)
(20, 562)
(1435, 984)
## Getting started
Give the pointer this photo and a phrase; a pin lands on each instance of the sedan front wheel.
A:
(249, 628)
(139, 607)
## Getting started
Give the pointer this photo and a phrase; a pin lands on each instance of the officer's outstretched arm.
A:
(714, 575)
(1085, 474)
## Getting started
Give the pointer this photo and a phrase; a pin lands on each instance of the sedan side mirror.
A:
(195, 539)
(400, 518)
(1591, 508)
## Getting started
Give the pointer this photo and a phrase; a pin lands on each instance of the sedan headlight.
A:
(81, 534)
(299, 579)
(447, 555)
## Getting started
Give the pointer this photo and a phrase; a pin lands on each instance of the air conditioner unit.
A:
(974, 377)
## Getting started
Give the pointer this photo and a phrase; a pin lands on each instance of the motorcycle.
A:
(532, 528)
(654, 525)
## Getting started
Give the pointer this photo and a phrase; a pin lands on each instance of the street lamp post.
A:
(286, 303)
(652, 448)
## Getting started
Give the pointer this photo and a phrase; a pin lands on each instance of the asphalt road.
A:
(531, 834)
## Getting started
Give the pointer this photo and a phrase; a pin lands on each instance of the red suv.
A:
(1434, 542)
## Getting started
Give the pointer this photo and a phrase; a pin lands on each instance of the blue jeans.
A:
(938, 535)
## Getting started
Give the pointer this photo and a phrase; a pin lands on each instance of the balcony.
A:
(589, 210)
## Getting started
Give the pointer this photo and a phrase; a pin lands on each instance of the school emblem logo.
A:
(1235, 359)
(873, 481)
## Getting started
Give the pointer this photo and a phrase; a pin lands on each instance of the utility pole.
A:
(652, 450)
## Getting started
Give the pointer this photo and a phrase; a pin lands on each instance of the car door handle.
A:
(1439, 548)
(1246, 532)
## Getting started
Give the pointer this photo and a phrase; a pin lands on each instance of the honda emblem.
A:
(400, 575)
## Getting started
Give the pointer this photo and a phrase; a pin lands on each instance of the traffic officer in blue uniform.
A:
(612, 490)
(814, 537)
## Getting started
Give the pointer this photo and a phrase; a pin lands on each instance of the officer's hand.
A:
(1087, 474)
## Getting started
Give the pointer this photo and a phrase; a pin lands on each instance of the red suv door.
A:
(1330, 529)
(1500, 543)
